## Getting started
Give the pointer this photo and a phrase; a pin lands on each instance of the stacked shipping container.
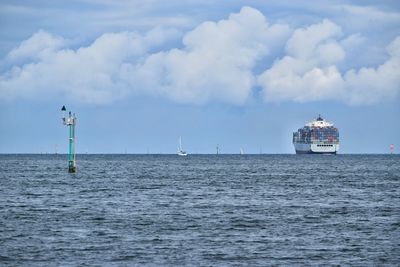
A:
(324, 135)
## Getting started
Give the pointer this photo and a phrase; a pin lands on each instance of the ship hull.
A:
(312, 152)
(316, 148)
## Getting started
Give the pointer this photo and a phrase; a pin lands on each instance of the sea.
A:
(200, 210)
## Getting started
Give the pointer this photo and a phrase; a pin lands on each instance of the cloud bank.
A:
(309, 70)
(232, 60)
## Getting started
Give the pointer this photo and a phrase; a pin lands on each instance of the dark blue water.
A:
(203, 210)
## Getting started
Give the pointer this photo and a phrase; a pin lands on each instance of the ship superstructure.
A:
(317, 137)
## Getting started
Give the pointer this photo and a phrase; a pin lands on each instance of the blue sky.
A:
(241, 74)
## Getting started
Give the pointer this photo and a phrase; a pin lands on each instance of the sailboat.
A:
(181, 152)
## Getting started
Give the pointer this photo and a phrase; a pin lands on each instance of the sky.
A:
(237, 74)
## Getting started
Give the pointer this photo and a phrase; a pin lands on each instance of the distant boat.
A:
(181, 152)
(241, 151)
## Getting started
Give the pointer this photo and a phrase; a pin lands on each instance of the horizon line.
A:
(153, 154)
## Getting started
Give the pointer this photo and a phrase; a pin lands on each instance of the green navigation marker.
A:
(70, 121)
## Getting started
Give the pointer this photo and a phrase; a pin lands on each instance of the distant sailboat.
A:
(241, 151)
(181, 152)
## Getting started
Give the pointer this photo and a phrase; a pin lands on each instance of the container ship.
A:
(317, 137)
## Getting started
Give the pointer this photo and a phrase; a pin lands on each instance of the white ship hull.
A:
(316, 148)
(182, 153)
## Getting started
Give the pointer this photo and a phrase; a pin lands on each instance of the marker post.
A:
(70, 121)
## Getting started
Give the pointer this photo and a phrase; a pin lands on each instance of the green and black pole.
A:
(70, 122)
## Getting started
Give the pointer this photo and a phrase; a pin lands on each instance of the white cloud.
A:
(393, 48)
(298, 80)
(304, 42)
(353, 41)
(371, 85)
(309, 71)
(89, 74)
(39, 46)
(217, 61)
(370, 13)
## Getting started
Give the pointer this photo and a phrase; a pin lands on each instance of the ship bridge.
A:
(319, 122)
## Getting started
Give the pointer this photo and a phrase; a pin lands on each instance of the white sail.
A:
(181, 152)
